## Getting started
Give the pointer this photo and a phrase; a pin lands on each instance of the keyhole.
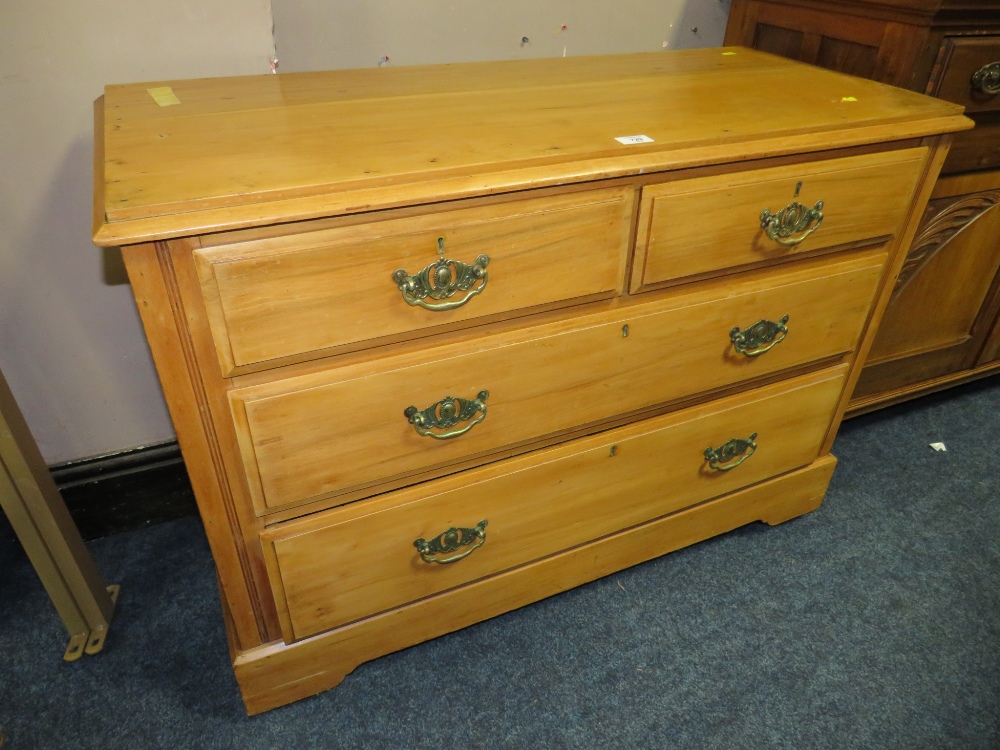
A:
(625, 331)
(614, 450)
(441, 244)
(798, 187)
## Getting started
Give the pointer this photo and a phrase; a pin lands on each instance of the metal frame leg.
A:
(30, 499)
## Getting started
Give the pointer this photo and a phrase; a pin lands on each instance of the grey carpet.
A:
(872, 623)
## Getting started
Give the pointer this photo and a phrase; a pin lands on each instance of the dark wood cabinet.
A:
(942, 326)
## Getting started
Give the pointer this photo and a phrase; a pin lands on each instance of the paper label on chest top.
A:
(629, 140)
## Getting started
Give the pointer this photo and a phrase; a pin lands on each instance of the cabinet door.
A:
(991, 352)
(900, 54)
(942, 311)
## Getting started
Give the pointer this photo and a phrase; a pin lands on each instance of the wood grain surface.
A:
(674, 241)
(275, 674)
(347, 564)
(284, 296)
(327, 433)
(201, 164)
(280, 207)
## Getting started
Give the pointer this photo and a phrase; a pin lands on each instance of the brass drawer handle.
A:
(442, 280)
(759, 338)
(986, 80)
(450, 541)
(447, 413)
(793, 219)
(721, 458)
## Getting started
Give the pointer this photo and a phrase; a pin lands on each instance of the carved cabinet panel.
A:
(930, 328)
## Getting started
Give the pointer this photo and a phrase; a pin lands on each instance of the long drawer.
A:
(346, 428)
(317, 290)
(978, 148)
(705, 225)
(348, 563)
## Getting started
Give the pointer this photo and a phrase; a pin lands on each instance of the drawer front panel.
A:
(346, 429)
(972, 74)
(355, 561)
(290, 296)
(705, 225)
(978, 148)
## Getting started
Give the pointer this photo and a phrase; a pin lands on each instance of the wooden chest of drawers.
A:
(439, 342)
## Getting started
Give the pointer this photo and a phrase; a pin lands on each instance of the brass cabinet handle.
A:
(450, 541)
(442, 280)
(721, 458)
(759, 338)
(447, 413)
(793, 219)
(986, 80)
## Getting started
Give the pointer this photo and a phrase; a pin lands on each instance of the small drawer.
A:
(978, 148)
(349, 428)
(710, 224)
(298, 295)
(971, 73)
(352, 562)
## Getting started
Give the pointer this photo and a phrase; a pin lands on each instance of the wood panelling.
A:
(929, 331)
(847, 57)
(778, 41)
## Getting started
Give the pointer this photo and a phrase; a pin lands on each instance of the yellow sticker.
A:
(848, 99)
(164, 96)
(728, 53)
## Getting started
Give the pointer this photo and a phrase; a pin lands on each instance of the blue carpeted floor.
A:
(872, 623)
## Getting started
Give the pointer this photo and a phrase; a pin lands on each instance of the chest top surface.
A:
(246, 151)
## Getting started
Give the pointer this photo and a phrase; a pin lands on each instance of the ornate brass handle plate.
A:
(731, 454)
(986, 80)
(794, 219)
(759, 338)
(452, 540)
(447, 413)
(442, 280)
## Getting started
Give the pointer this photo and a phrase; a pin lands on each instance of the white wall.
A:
(71, 344)
(319, 34)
